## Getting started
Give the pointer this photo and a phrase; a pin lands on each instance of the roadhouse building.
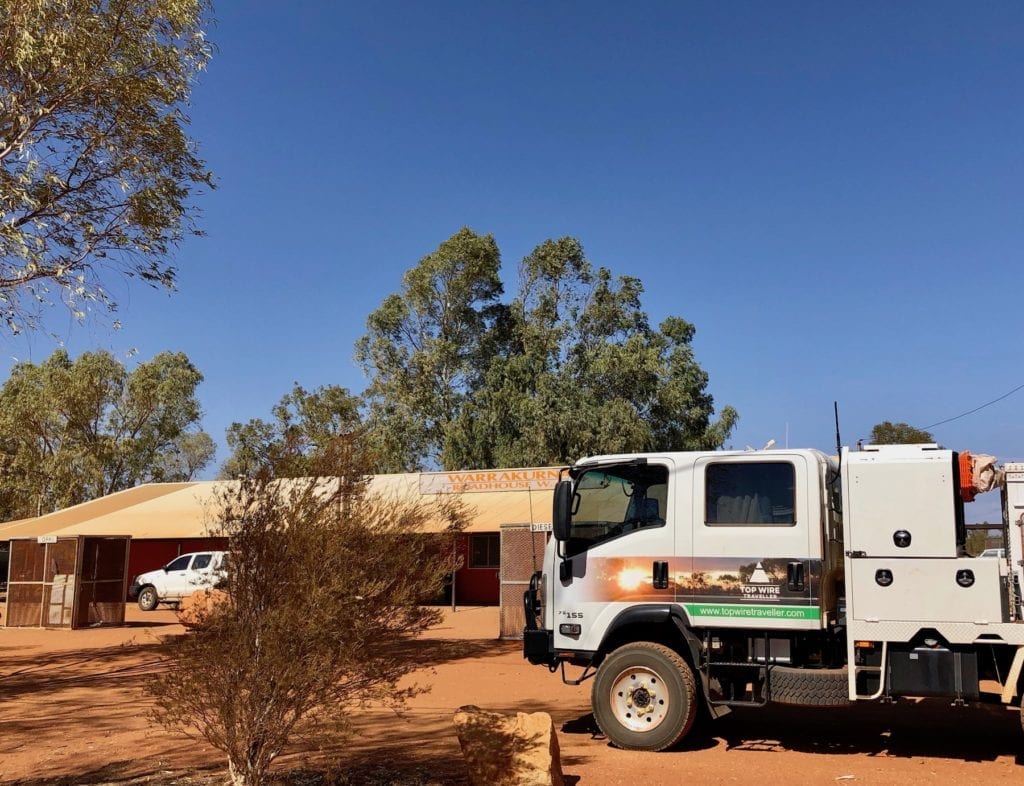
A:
(510, 514)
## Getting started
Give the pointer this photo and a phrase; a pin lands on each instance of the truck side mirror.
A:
(561, 512)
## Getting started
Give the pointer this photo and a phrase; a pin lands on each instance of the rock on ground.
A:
(501, 750)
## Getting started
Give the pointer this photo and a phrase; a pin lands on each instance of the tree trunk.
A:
(246, 773)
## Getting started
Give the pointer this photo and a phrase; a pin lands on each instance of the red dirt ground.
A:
(72, 712)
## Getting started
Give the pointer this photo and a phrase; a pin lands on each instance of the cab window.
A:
(750, 493)
(181, 563)
(616, 500)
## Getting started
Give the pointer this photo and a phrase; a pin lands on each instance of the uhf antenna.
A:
(839, 444)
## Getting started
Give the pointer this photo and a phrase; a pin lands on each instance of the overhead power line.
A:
(976, 409)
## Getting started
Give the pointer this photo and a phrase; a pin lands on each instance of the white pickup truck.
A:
(180, 577)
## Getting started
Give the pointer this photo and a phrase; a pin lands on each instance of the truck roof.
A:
(684, 458)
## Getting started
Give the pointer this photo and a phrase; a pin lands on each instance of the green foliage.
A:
(97, 172)
(194, 450)
(304, 423)
(74, 430)
(887, 433)
(321, 609)
(571, 367)
(427, 347)
(977, 542)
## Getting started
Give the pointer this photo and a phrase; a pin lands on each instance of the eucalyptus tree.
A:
(302, 425)
(72, 430)
(583, 373)
(426, 348)
(889, 433)
(570, 366)
(97, 171)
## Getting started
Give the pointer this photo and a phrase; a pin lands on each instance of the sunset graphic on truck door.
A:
(715, 586)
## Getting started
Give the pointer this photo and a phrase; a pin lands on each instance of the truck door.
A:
(202, 570)
(176, 583)
(620, 550)
(756, 542)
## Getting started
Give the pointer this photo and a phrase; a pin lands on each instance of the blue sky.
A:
(832, 193)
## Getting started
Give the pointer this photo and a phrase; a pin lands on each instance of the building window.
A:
(751, 492)
(484, 551)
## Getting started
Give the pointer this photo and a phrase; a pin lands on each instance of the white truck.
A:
(723, 579)
(182, 576)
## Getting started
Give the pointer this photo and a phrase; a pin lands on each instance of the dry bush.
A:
(324, 580)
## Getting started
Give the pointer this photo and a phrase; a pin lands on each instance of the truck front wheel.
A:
(644, 697)
(148, 598)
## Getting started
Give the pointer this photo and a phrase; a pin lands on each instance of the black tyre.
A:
(810, 687)
(644, 697)
(148, 599)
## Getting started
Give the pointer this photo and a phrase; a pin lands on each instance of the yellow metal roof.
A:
(94, 510)
(185, 510)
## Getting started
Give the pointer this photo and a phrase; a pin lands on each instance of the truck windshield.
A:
(615, 500)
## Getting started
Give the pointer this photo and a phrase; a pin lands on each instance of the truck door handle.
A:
(795, 576)
(660, 575)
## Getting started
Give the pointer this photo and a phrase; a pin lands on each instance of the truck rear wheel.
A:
(644, 697)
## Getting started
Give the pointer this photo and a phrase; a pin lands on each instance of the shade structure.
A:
(69, 582)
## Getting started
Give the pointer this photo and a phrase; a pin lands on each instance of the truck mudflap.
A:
(539, 647)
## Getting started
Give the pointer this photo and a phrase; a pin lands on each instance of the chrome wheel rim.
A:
(639, 699)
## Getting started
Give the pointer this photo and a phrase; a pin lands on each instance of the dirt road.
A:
(72, 712)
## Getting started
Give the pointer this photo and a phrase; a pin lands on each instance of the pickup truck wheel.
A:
(148, 599)
(644, 697)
